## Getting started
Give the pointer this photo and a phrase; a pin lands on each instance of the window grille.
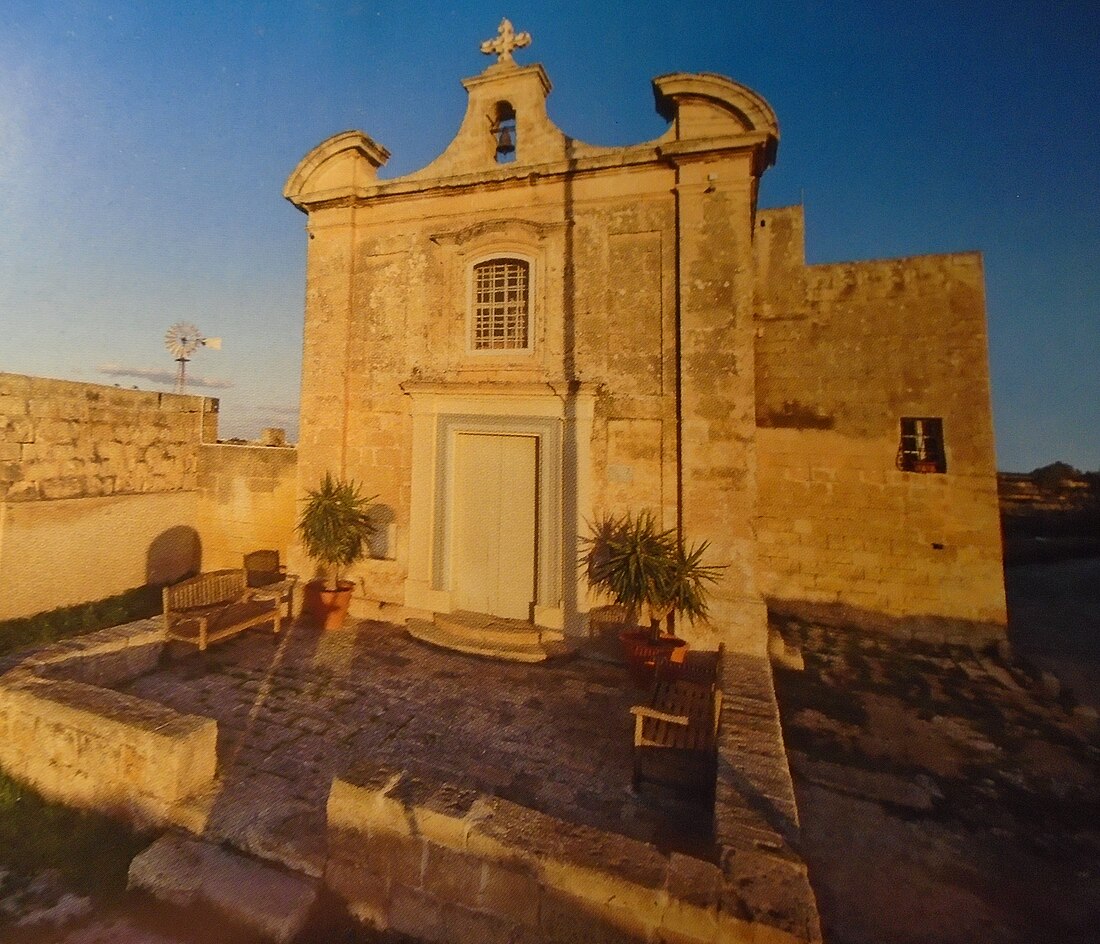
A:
(921, 448)
(500, 305)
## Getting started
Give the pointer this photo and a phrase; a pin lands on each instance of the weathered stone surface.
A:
(511, 891)
(770, 892)
(61, 423)
(521, 872)
(555, 741)
(839, 522)
(583, 853)
(452, 876)
(565, 919)
(491, 637)
(246, 501)
(68, 909)
(187, 872)
(417, 914)
(96, 748)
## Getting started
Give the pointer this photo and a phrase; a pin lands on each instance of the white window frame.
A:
(471, 303)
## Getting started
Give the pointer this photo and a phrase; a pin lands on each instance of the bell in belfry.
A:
(506, 142)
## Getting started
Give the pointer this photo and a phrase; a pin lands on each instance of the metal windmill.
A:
(182, 340)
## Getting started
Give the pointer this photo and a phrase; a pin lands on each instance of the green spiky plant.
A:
(335, 526)
(639, 565)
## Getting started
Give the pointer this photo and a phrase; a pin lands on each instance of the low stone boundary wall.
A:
(93, 748)
(756, 825)
(429, 860)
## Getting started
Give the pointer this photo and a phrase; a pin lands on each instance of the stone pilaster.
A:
(714, 200)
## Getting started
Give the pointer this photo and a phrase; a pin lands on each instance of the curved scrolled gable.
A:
(704, 104)
(336, 166)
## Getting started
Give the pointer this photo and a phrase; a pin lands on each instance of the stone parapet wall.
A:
(756, 824)
(67, 439)
(89, 747)
(419, 857)
(104, 658)
(246, 502)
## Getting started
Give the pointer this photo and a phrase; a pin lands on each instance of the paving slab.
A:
(186, 872)
(296, 710)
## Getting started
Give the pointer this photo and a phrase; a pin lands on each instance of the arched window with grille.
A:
(501, 305)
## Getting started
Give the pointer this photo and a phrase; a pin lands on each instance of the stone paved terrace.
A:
(297, 709)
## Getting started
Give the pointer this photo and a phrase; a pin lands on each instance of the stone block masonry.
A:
(88, 747)
(66, 439)
(844, 530)
(422, 858)
(246, 502)
(97, 490)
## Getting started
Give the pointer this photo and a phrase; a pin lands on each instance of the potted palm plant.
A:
(334, 526)
(647, 570)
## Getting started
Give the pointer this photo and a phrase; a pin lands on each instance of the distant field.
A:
(1054, 617)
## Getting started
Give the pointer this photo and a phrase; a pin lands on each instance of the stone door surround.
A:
(560, 418)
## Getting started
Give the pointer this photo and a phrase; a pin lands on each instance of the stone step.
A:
(189, 873)
(495, 630)
(505, 649)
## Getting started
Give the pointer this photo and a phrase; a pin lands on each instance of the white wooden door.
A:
(494, 524)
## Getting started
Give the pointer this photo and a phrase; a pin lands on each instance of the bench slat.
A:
(213, 606)
(680, 722)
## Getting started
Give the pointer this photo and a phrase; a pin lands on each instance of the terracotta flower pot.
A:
(645, 656)
(328, 608)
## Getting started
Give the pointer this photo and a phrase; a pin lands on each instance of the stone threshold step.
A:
(495, 630)
(190, 873)
(507, 651)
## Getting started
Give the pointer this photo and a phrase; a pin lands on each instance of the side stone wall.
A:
(61, 553)
(92, 748)
(97, 490)
(843, 353)
(246, 502)
(441, 864)
(67, 439)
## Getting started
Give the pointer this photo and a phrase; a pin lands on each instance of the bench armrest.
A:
(173, 616)
(642, 711)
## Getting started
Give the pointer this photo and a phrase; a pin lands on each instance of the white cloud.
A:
(161, 376)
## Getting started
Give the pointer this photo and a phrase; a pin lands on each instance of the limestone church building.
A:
(532, 330)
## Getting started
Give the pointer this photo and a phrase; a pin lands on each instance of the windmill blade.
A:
(182, 339)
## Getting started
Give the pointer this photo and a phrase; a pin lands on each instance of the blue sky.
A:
(144, 147)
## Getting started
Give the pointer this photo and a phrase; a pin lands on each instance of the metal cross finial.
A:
(507, 40)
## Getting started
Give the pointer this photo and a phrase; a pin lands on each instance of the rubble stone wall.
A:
(844, 352)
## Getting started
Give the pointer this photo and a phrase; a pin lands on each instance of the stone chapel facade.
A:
(531, 330)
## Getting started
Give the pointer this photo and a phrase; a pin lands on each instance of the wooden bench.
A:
(214, 606)
(268, 578)
(676, 734)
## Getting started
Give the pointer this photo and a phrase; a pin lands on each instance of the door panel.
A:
(494, 524)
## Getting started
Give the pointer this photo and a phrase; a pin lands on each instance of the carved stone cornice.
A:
(489, 229)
